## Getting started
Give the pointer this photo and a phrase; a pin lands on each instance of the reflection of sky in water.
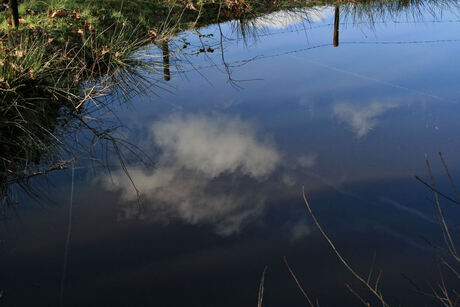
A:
(285, 19)
(353, 124)
(196, 152)
(367, 111)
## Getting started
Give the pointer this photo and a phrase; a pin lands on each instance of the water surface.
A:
(251, 111)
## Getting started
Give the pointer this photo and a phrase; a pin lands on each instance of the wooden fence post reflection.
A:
(13, 4)
(335, 41)
(166, 70)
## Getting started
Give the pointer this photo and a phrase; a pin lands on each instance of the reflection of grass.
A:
(41, 93)
(387, 9)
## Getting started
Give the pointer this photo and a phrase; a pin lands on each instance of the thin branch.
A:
(261, 288)
(357, 295)
(445, 229)
(356, 275)
(298, 282)
(372, 268)
(437, 191)
(448, 174)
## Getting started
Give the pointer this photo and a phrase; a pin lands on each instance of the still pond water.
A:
(267, 106)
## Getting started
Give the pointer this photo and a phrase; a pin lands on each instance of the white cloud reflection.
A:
(211, 170)
(284, 19)
(300, 230)
(214, 145)
(361, 119)
(307, 160)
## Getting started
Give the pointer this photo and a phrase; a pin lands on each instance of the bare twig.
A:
(437, 191)
(298, 282)
(373, 290)
(357, 295)
(416, 287)
(450, 177)
(59, 166)
(372, 268)
(261, 289)
(378, 280)
(446, 233)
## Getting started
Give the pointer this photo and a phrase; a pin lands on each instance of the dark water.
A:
(271, 106)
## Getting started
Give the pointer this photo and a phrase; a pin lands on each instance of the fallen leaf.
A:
(152, 34)
(79, 31)
(19, 53)
(54, 14)
(190, 6)
(105, 49)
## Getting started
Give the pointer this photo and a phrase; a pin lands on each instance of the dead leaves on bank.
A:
(57, 14)
(53, 15)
